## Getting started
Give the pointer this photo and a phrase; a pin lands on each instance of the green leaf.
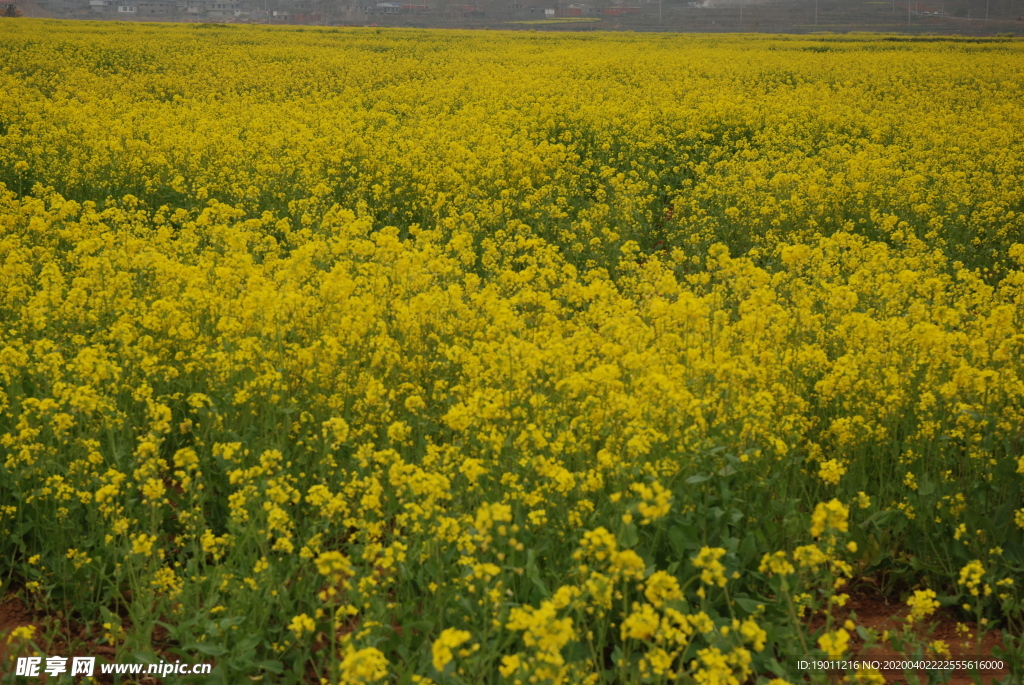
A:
(748, 550)
(683, 539)
(629, 536)
(533, 573)
(272, 666)
(748, 604)
(226, 623)
(209, 650)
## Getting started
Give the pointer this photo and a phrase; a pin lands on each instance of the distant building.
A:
(67, 6)
(222, 9)
(580, 10)
(192, 8)
(127, 9)
(99, 6)
(156, 8)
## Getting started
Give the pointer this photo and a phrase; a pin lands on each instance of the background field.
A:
(908, 17)
(384, 355)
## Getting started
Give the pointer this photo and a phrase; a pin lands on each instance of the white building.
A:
(156, 8)
(192, 8)
(222, 9)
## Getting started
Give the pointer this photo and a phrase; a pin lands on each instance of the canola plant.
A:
(352, 355)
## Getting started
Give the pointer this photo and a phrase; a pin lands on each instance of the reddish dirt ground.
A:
(74, 640)
(875, 611)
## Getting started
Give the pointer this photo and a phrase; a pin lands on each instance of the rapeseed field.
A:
(362, 356)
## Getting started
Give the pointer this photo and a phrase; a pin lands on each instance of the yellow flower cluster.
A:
(449, 639)
(830, 516)
(834, 644)
(712, 570)
(971, 576)
(922, 604)
(448, 354)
